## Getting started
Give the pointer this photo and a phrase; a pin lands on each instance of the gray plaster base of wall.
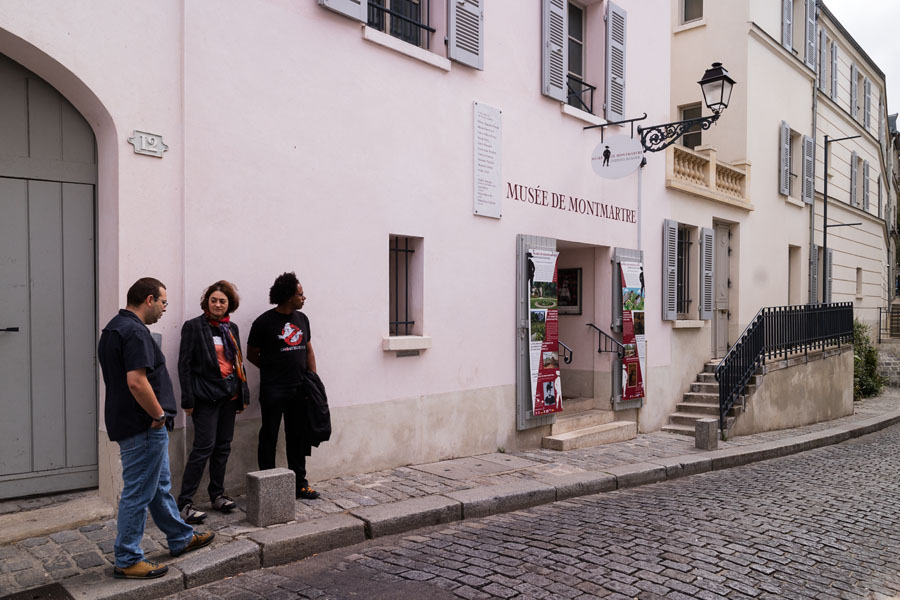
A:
(815, 391)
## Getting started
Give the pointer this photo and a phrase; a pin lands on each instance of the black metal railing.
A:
(399, 292)
(407, 21)
(777, 331)
(568, 354)
(888, 322)
(581, 94)
(606, 343)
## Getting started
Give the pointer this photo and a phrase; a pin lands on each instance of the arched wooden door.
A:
(48, 382)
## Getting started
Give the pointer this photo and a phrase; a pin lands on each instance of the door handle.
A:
(10, 329)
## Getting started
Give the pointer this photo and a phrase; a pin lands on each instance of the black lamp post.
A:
(716, 85)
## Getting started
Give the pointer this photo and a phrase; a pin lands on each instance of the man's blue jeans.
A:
(147, 481)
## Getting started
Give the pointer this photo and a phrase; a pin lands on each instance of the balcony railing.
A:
(699, 172)
(581, 94)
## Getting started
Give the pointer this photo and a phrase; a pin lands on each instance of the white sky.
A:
(874, 25)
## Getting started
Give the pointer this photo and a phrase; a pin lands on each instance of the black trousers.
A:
(287, 402)
(213, 432)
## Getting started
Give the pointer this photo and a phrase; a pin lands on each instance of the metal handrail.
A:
(568, 354)
(611, 343)
(778, 331)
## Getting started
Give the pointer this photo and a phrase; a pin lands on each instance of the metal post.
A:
(824, 223)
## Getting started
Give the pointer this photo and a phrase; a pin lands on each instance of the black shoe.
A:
(307, 493)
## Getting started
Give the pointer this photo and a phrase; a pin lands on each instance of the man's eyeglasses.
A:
(165, 303)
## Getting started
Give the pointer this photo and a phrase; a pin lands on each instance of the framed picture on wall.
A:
(569, 290)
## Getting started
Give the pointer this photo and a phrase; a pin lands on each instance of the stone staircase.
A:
(702, 402)
(889, 362)
(580, 425)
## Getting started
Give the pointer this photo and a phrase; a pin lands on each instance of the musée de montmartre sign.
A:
(590, 208)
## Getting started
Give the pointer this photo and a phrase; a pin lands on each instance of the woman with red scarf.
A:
(213, 390)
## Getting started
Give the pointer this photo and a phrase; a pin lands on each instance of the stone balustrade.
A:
(700, 173)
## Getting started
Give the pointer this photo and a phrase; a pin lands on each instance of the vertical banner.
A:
(543, 331)
(634, 365)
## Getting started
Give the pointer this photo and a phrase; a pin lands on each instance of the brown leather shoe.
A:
(141, 570)
(199, 540)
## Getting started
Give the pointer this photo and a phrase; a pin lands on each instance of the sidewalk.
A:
(392, 501)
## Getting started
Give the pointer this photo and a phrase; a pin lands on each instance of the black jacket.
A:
(197, 358)
(318, 421)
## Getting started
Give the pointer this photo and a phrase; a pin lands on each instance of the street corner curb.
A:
(287, 543)
(109, 588)
(635, 474)
(585, 483)
(505, 497)
(684, 465)
(219, 562)
(874, 424)
(399, 517)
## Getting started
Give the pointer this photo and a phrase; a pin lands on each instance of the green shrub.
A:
(866, 380)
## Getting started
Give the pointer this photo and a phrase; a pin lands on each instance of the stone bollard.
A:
(271, 496)
(706, 434)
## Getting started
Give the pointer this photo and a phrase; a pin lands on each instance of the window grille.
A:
(399, 255)
(408, 20)
(682, 299)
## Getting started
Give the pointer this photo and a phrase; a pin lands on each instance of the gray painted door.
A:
(48, 381)
(720, 284)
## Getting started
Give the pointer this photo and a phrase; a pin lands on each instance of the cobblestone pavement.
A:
(88, 550)
(820, 525)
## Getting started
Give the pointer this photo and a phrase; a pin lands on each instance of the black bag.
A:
(318, 417)
(214, 390)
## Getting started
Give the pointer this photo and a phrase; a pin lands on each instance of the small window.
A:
(580, 93)
(693, 136)
(402, 19)
(796, 165)
(405, 270)
(683, 266)
(691, 10)
(859, 282)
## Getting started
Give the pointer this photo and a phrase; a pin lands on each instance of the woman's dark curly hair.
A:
(227, 288)
(284, 288)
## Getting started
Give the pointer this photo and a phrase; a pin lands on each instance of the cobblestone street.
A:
(820, 524)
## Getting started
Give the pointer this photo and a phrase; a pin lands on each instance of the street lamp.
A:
(716, 85)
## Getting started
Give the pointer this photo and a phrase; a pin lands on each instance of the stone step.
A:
(689, 419)
(617, 431)
(702, 398)
(710, 367)
(705, 377)
(571, 421)
(679, 429)
(697, 408)
(705, 387)
(573, 405)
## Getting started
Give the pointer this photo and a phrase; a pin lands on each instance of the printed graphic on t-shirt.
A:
(292, 336)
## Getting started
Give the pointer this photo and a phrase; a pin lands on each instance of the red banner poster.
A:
(633, 335)
(543, 330)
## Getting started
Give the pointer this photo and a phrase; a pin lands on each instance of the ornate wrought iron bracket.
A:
(660, 137)
(603, 126)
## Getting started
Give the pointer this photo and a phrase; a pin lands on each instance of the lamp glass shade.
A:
(716, 86)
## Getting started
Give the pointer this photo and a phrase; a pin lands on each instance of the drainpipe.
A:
(812, 207)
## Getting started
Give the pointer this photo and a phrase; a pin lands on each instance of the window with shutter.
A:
(355, 9)
(867, 102)
(707, 265)
(554, 49)
(465, 32)
(879, 196)
(865, 186)
(834, 71)
(853, 176)
(616, 20)
(880, 119)
(810, 54)
(854, 91)
(787, 24)
(809, 169)
(784, 175)
(823, 59)
(670, 270)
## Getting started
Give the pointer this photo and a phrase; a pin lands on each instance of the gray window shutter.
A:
(784, 162)
(787, 24)
(834, 71)
(879, 196)
(707, 253)
(670, 266)
(811, 34)
(615, 63)
(554, 49)
(854, 92)
(865, 201)
(465, 32)
(829, 255)
(867, 99)
(814, 275)
(853, 175)
(809, 169)
(880, 119)
(355, 9)
(823, 59)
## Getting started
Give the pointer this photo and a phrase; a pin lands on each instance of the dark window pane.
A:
(692, 137)
(576, 64)
(576, 22)
(376, 17)
(693, 10)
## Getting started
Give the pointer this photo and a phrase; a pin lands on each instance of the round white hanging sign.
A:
(617, 156)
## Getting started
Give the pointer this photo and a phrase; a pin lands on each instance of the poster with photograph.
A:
(634, 364)
(543, 331)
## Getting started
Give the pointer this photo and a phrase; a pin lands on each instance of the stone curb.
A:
(286, 543)
(399, 517)
(280, 545)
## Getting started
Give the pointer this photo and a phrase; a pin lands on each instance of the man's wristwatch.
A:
(160, 419)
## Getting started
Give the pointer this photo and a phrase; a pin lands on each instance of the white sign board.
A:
(487, 137)
(617, 156)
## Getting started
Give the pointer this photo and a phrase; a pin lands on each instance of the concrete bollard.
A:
(706, 434)
(271, 496)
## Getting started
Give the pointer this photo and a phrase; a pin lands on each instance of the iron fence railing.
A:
(581, 94)
(778, 331)
(607, 343)
(889, 322)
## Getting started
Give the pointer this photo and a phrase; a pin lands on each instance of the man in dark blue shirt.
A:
(139, 412)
